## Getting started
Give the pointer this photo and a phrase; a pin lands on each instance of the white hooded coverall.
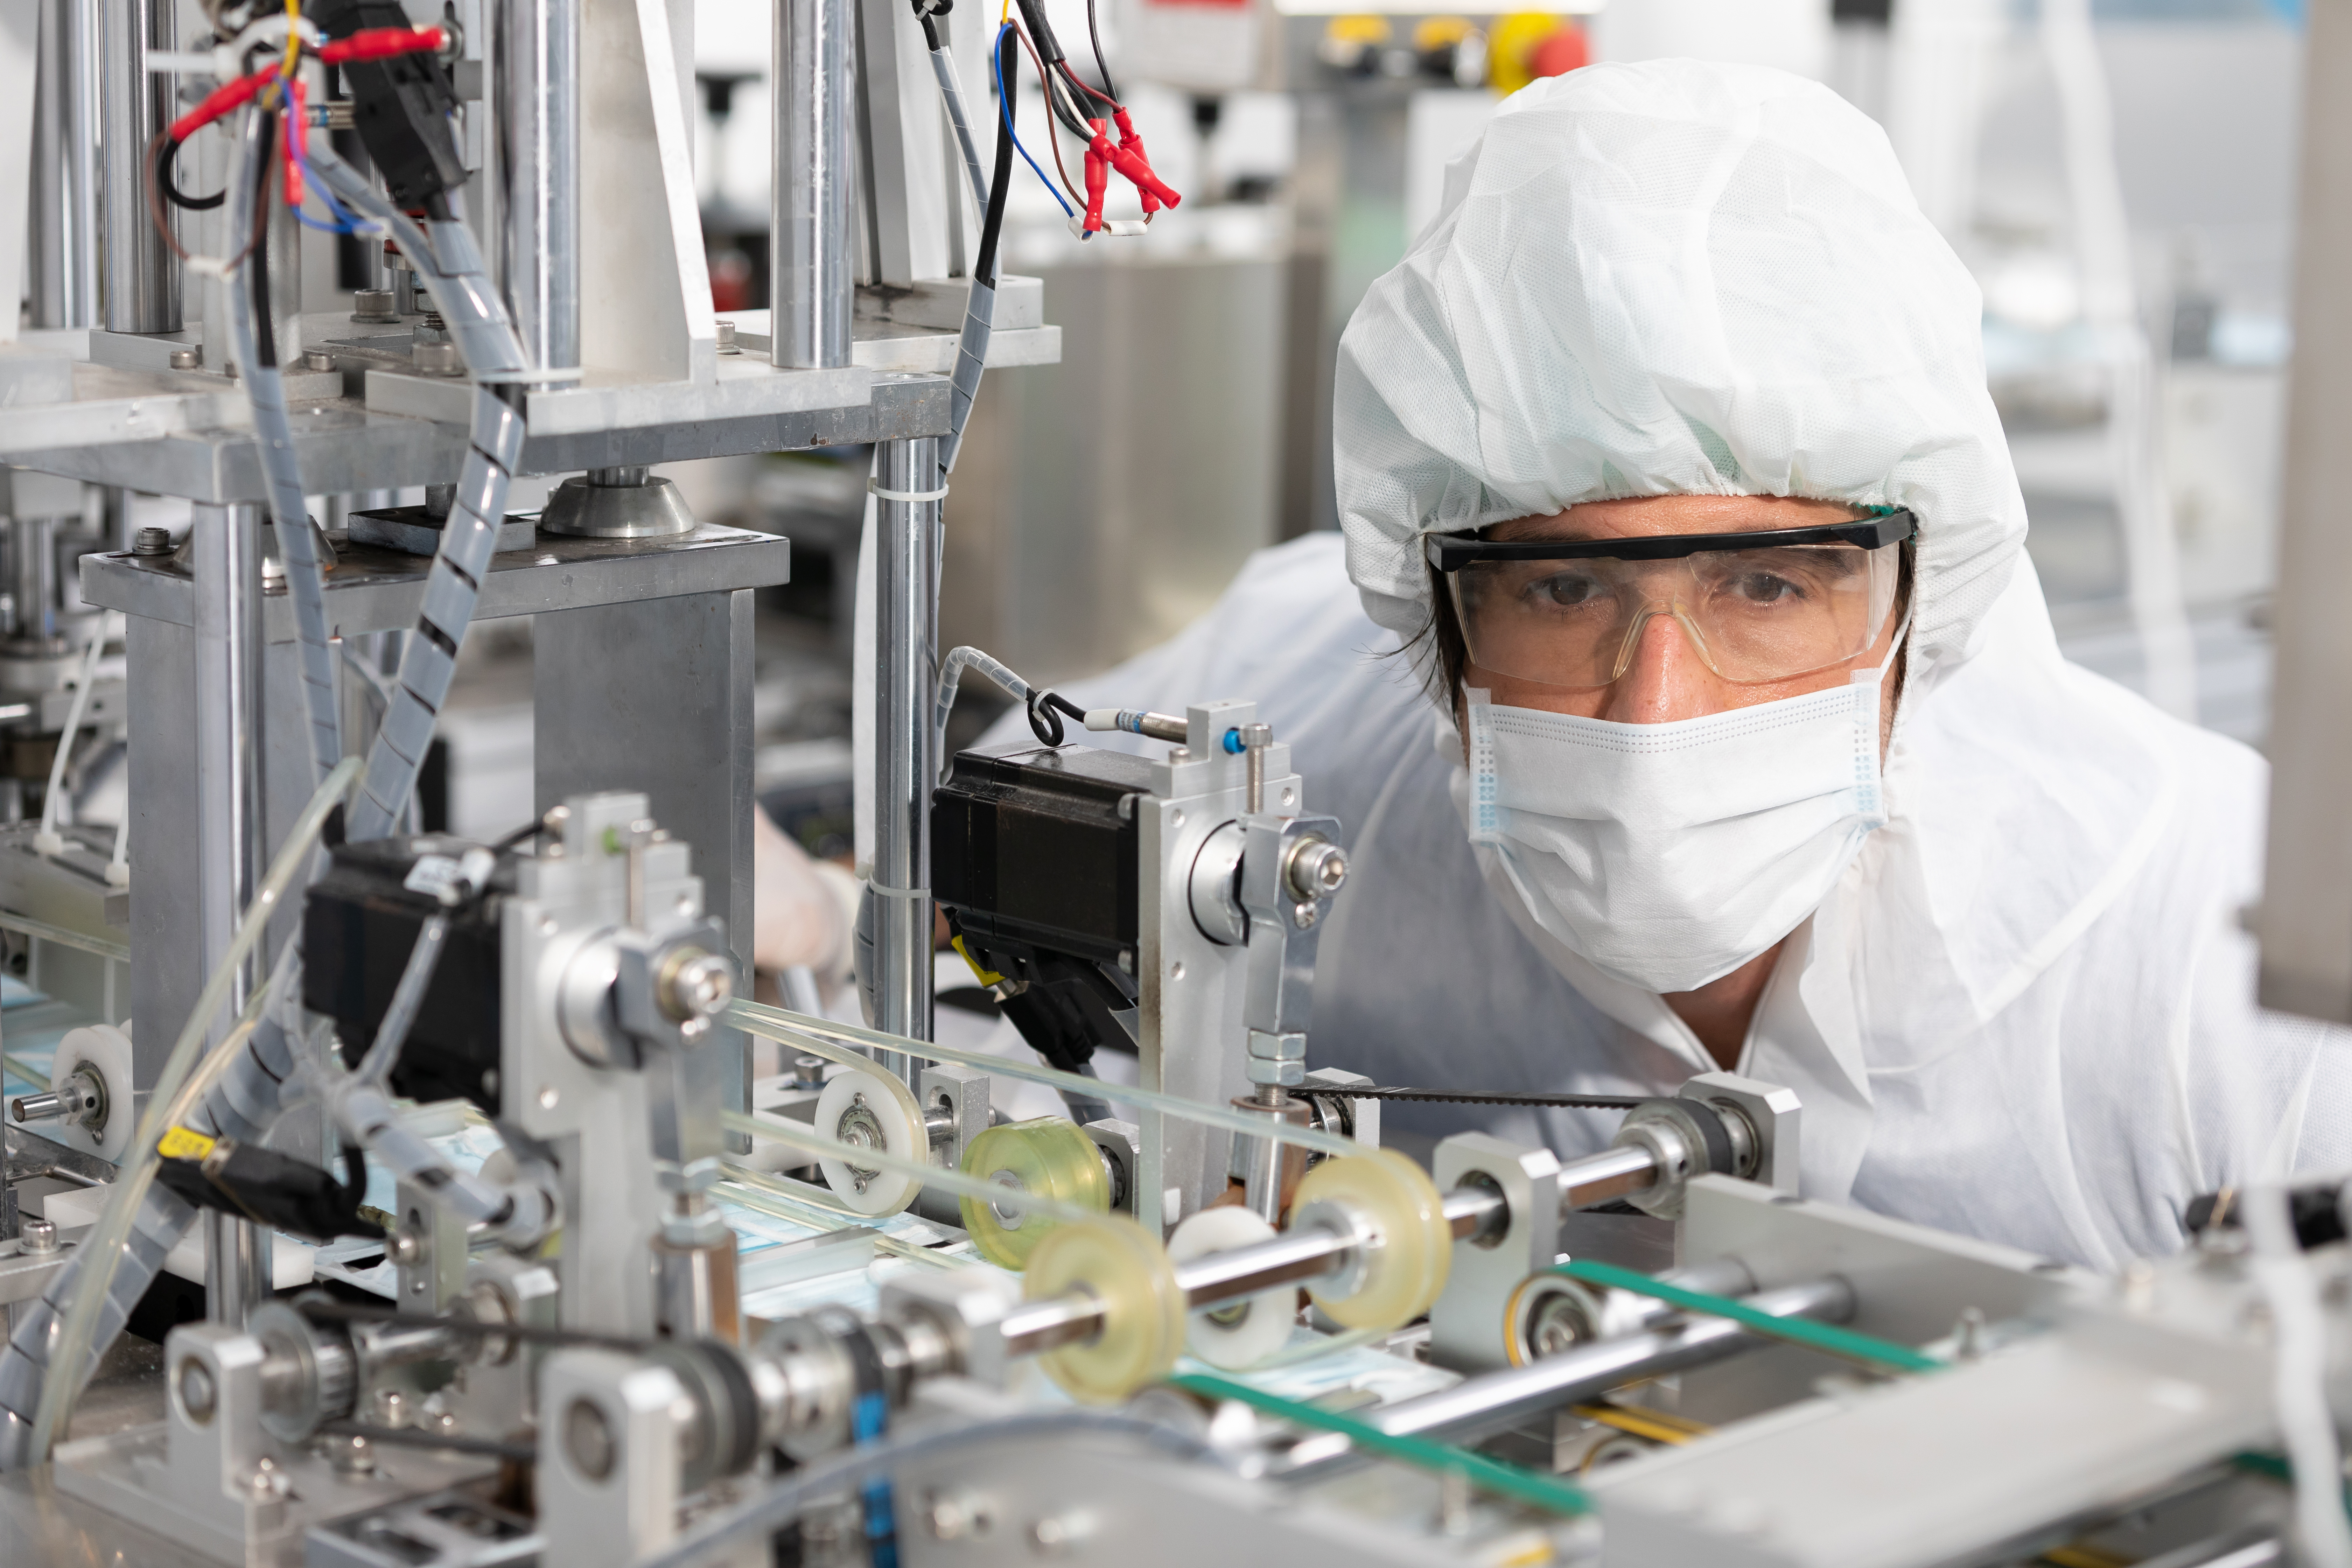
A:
(2025, 1012)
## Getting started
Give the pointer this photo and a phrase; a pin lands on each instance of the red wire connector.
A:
(1098, 178)
(229, 94)
(367, 44)
(1130, 142)
(379, 44)
(1127, 158)
(290, 147)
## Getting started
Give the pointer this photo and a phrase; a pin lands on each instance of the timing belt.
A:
(1480, 1095)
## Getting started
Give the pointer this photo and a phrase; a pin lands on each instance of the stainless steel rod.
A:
(906, 676)
(811, 285)
(142, 280)
(1476, 1211)
(1601, 1178)
(1033, 1328)
(1501, 1399)
(538, 114)
(1294, 1255)
(230, 824)
(64, 253)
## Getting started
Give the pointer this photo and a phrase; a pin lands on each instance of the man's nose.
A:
(1666, 679)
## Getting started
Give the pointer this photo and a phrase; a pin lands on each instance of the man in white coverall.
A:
(1828, 807)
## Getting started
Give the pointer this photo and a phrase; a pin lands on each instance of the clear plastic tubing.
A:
(170, 1100)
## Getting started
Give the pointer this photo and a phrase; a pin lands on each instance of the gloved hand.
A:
(802, 908)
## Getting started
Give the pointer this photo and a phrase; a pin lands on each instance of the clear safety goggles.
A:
(1758, 607)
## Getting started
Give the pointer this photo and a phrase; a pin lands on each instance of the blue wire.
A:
(996, 64)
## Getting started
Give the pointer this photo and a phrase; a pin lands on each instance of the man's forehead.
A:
(1649, 515)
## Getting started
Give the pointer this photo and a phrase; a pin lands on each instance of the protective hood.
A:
(1676, 277)
(1687, 276)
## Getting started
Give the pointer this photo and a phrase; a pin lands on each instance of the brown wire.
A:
(1053, 120)
(269, 176)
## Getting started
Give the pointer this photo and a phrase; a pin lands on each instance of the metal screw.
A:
(1304, 915)
(38, 1234)
(352, 1456)
(404, 1247)
(696, 985)
(588, 1439)
(318, 359)
(1318, 868)
(1254, 740)
(373, 305)
(188, 359)
(152, 541)
(727, 344)
(197, 1394)
(437, 359)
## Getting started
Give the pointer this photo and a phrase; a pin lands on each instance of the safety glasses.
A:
(1758, 607)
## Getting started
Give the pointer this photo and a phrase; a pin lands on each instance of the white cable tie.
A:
(881, 494)
(182, 62)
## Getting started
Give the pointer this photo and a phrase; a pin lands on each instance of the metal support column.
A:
(143, 281)
(655, 695)
(230, 799)
(64, 282)
(539, 163)
(905, 678)
(811, 287)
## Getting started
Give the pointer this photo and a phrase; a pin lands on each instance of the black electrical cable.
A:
(992, 224)
(1045, 710)
(171, 192)
(321, 1309)
(265, 320)
(1094, 36)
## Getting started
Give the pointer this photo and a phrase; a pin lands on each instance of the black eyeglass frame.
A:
(1452, 552)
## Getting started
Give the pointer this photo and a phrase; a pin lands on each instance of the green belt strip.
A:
(1509, 1481)
(1866, 1348)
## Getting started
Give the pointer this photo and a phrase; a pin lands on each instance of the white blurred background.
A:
(2120, 175)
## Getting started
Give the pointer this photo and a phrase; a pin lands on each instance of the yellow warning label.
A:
(180, 1143)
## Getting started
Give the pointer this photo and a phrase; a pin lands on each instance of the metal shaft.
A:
(538, 115)
(1605, 1177)
(64, 282)
(143, 281)
(905, 671)
(33, 577)
(1502, 1399)
(808, 231)
(1292, 1257)
(229, 823)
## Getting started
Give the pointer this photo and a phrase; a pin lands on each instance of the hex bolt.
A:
(437, 359)
(188, 359)
(1255, 738)
(1318, 868)
(152, 541)
(318, 359)
(727, 344)
(694, 983)
(373, 305)
(37, 1234)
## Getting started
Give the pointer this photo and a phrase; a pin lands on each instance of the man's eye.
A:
(1763, 588)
